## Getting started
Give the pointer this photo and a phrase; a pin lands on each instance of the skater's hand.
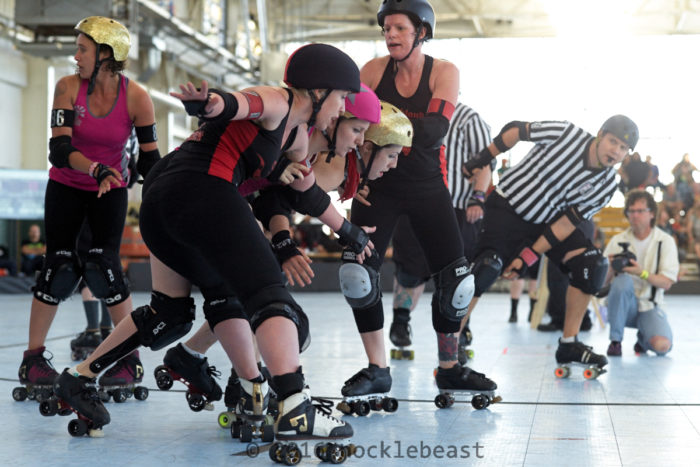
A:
(367, 252)
(294, 171)
(106, 177)
(362, 195)
(297, 269)
(511, 272)
(474, 214)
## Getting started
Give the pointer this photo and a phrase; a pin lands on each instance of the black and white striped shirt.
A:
(553, 176)
(468, 134)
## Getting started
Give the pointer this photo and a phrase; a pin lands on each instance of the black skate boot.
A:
(77, 394)
(36, 375)
(193, 372)
(231, 395)
(120, 381)
(578, 353)
(400, 335)
(86, 343)
(460, 381)
(252, 420)
(367, 390)
(464, 354)
(302, 419)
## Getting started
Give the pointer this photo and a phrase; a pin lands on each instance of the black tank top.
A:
(234, 150)
(420, 166)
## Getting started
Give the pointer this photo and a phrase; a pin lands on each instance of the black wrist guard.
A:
(479, 161)
(353, 237)
(100, 173)
(196, 108)
(147, 159)
(284, 246)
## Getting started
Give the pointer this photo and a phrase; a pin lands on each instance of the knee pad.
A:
(454, 289)
(278, 302)
(406, 279)
(369, 319)
(587, 271)
(218, 310)
(105, 278)
(59, 277)
(486, 269)
(360, 282)
(164, 321)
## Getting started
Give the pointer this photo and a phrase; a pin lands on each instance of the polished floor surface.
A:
(644, 411)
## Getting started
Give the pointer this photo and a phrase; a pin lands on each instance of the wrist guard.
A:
(479, 161)
(284, 246)
(353, 237)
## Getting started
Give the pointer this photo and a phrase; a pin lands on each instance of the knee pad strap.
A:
(105, 278)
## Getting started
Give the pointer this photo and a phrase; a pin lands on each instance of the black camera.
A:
(622, 259)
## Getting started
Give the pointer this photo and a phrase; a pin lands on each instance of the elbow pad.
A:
(270, 202)
(429, 131)
(147, 159)
(313, 201)
(60, 148)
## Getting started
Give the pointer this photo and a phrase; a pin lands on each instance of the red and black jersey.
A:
(234, 150)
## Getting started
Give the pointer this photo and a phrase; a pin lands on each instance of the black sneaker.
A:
(578, 352)
(370, 380)
(463, 377)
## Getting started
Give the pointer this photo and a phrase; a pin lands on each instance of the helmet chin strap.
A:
(316, 105)
(332, 140)
(416, 41)
(98, 65)
(364, 174)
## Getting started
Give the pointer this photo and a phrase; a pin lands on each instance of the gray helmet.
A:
(419, 11)
(623, 127)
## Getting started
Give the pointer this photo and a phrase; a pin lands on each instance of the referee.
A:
(467, 136)
(567, 177)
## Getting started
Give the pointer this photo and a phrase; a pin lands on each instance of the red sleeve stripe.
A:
(442, 107)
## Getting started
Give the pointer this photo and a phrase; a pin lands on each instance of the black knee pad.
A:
(360, 282)
(369, 319)
(278, 302)
(164, 321)
(406, 279)
(104, 277)
(587, 271)
(441, 323)
(486, 269)
(454, 289)
(221, 309)
(59, 277)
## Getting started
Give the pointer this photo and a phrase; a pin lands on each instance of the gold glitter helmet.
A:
(393, 128)
(109, 32)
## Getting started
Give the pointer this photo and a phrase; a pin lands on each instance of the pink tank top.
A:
(100, 139)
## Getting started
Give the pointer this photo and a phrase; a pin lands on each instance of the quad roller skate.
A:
(78, 395)
(36, 375)
(232, 394)
(577, 353)
(120, 381)
(465, 354)
(461, 383)
(301, 419)
(251, 419)
(400, 335)
(366, 391)
(82, 346)
(193, 372)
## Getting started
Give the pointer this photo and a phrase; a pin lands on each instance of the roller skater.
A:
(193, 372)
(458, 381)
(78, 394)
(252, 419)
(36, 375)
(577, 353)
(400, 335)
(120, 382)
(367, 390)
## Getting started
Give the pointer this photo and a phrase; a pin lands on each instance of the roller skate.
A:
(367, 390)
(302, 419)
(465, 340)
(400, 335)
(577, 353)
(84, 344)
(231, 395)
(36, 375)
(77, 394)
(252, 420)
(193, 372)
(461, 383)
(120, 381)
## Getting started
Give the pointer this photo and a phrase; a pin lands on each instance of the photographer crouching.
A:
(643, 264)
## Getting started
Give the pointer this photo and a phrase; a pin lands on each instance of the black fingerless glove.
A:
(100, 173)
(479, 161)
(284, 246)
(147, 159)
(196, 108)
(353, 237)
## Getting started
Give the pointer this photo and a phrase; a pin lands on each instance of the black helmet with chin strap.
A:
(420, 12)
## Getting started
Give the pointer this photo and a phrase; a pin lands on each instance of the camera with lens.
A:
(622, 259)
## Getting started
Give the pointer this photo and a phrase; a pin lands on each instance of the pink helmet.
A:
(363, 105)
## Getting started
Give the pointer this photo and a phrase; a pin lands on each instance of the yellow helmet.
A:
(393, 128)
(109, 32)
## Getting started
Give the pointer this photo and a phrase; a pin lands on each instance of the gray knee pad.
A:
(59, 277)
(278, 302)
(454, 289)
(486, 269)
(164, 321)
(360, 282)
(221, 309)
(587, 271)
(104, 277)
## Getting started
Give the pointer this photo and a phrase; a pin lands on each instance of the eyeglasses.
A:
(637, 211)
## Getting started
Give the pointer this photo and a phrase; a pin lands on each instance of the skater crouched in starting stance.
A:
(201, 231)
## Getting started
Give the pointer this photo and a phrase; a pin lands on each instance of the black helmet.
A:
(321, 66)
(419, 11)
(622, 127)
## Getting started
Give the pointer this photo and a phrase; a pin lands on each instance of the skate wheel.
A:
(321, 451)
(389, 404)
(480, 401)
(291, 454)
(42, 395)
(441, 401)
(195, 401)
(393, 354)
(562, 372)
(276, 452)
(19, 393)
(344, 407)
(77, 427)
(141, 393)
(119, 396)
(163, 380)
(336, 453)
(224, 420)
(104, 396)
(470, 354)
(590, 373)
(268, 433)
(361, 408)
(236, 429)
(410, 354)
(48, 408)
(246, 433)
(435, 373)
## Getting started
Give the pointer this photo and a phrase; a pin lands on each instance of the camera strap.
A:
(658, 264)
